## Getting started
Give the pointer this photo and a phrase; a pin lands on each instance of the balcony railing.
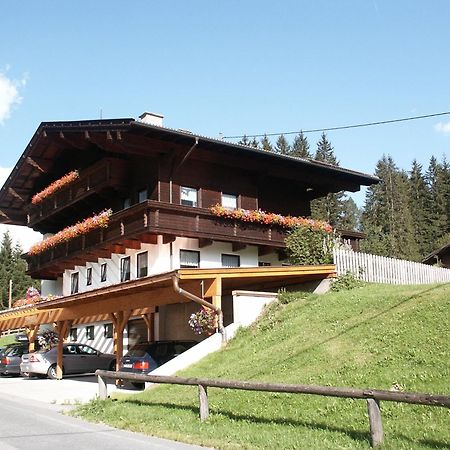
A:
(104, 174)
(143, 223)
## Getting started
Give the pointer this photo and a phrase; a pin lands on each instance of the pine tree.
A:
(300, 147)
(330, 207)
(282, 146)
(244, 141)
(325, 151)
(387, 218)
(266, 145)
(419, 202)
(254, 143)
(438, 210)
(13, 267)
(350, 218)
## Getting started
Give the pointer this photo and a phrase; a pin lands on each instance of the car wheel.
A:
(25, 374)
(51, 373)
(140, 386)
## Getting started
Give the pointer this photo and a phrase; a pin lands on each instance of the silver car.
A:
(77, 358)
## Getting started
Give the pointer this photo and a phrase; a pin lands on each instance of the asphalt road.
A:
(26, 424)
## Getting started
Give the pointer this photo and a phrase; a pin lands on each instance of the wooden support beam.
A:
(149, 238)
(15, 194)
(236, 246)
(168, 238)
(149, 320)
(34, 164)
(119, 320)
(62, 328)
(32, 332)
(203, 242)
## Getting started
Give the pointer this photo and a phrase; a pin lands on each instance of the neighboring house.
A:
(159, 183)
(440, 256)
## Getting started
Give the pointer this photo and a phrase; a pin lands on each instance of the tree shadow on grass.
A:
(354, 326)
(353, 434)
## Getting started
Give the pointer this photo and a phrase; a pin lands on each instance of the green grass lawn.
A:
(375, 336)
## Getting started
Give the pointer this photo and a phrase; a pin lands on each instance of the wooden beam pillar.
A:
(119, 320)
(32, 332)
(62, 327)
(149, 320)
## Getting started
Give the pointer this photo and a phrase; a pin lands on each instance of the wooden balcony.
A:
(143, 223)
(105, 174)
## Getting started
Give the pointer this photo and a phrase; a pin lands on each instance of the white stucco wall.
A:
(161, 258)
(248, 305)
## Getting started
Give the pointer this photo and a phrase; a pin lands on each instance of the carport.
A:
(139, 298)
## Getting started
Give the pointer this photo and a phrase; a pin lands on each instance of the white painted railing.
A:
(380, 269)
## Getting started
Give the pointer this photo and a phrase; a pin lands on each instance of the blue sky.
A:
(233, 67)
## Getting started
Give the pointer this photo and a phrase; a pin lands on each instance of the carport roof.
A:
(143, 295)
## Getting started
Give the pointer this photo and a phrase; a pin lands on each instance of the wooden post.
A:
(62, 328)
(149, 320)
(119, 320)
(32, 333)
(376, 426)
(102, 388)
(213, 290)
(203, 399)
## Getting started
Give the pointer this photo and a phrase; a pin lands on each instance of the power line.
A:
(345, 127)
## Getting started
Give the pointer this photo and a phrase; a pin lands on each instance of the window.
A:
(142, 264)
(189, 259)
(142, 195)
(90, 332)
(126, 202)
(103, 270)
(74, 279)
(263, 264)
(89, 276)
(108, 330)
(73, 334)
(229, 201)
(188, 196)
(231, 260)
(125, 269)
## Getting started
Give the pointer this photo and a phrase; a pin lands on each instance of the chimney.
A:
(152, 118)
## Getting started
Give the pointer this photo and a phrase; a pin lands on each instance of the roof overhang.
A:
(57, 147)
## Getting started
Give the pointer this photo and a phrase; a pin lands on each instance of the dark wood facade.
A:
(138, 171)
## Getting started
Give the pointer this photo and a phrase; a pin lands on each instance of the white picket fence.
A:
(380, 269)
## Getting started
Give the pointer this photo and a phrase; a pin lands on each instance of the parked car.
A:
(77, 358)
(11, 358)
(147, 356)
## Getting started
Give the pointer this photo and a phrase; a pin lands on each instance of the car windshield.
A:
(138, 350)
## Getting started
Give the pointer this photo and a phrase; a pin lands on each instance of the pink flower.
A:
(55, 186)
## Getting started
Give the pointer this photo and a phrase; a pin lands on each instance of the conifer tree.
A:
(13, 267)
(438, 216)
(419, 202)
(282, 146)
(244, 141)
(300, 147)
(387, 218)
(254, 143)
(330, 207)
(266, 145)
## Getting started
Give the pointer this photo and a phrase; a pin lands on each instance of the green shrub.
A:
(346, 282)
(308, 246)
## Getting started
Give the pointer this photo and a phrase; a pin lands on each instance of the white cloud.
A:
(443, 127)
(9, 95)
(25, 236)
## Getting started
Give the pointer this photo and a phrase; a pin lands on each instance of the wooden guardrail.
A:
(373, 396)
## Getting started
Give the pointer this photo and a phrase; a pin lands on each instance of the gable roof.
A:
(56, 147)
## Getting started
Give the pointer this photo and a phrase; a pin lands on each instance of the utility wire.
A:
(345, 127)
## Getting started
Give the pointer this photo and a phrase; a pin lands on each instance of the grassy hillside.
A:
(375, 336)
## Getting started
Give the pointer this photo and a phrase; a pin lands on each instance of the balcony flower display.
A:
(265, 218)
(55, 186)
(98, 221)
